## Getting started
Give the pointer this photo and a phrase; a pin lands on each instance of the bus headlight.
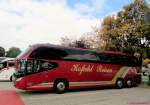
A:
(19, 79)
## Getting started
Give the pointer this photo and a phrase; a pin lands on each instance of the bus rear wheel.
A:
(60, 86)
(119, 84)
(129, 83)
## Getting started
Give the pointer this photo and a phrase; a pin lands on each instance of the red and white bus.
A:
(46, 66)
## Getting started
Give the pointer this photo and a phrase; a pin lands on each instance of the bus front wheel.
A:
(60, 86)
(119, 83)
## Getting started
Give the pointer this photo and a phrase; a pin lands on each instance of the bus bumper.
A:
(20, 83)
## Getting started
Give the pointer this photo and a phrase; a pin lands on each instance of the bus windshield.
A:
(22, 64)
(22, 54)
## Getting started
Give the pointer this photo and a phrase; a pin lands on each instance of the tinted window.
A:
(135, 61)
(34, 66)
(80, 55)
(127, 60)
(65, 54)
(48, 53)
(123, 60)
(107, 58)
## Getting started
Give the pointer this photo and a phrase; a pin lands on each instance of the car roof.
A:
(8, 59)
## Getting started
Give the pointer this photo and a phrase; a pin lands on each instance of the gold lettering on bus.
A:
(89, 68)
(82, 68)
(103, 69)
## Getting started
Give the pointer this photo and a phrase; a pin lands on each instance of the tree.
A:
(2, 52)
(13, 52)
(90, 40)
(127, 31)
(68, 42)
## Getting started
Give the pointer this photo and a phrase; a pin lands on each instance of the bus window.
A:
(80, 56)
(22, 64)
(123, 60)
(30, 66)
(48, 53)
(34, 66)
(106, 58)
(134, 61)
(128, 61)
(46, 65)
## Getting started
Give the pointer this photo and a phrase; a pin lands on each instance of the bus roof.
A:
(117, 53)
(82, 49)
(58, 46)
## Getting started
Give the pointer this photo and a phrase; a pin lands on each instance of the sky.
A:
(27, 22)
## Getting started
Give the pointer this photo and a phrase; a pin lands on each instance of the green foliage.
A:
(80, 43)
(2, 52)
(89, 40)
(13, 52)
(127, 31)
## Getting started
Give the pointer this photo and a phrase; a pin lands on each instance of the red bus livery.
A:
(46, 66)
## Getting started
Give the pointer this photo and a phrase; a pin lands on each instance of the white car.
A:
(7, 69)
(146, 68)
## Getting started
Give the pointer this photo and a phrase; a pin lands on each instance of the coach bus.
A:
(46, 66)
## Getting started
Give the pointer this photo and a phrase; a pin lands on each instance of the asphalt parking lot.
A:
(128, 96)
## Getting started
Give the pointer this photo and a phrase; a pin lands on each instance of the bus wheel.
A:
(119, 83)
(60, 86)
(129, 83)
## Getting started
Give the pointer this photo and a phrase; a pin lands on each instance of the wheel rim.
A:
(61, 86)
(129, 83)
(120, 84)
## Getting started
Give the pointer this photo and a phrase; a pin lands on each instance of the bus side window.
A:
(48, 53)
(90, 57)
(36, 66)
(80, 55)
(43, 65)
(30, 66)
(134, 61)
(47, 65)
(123, 60)
(105, 58)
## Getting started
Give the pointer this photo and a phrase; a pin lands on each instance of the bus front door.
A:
(36, 75)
